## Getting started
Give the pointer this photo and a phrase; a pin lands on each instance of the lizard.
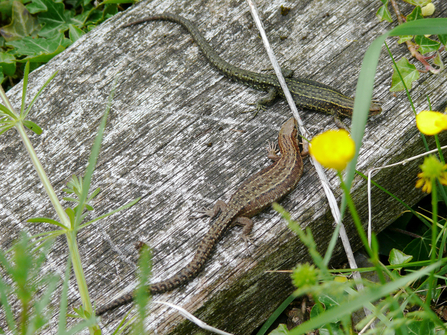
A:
(253, 195)
(308, 94)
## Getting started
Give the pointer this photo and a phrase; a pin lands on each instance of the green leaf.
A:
(389, 239)
(426, 44)
(23, 23)
(416, 14)
(438, 61)
(117, 1)
(75, 33)
(280, 330)
(421, 3)
(24, 88)
(70, 199)
(329, 301)
(2, 75)
(425, 326)
(4, 129)
(331, 329)
(25, 78)
(32, 126)
(443, 38)
(404, 38)
(4, 291)
(6, 111)
(6, 7)
(398, 257)
(38, 49)
(47, 220)
(93, 158)
(408, 72)
(8, 63)
(63, 304)
(71, 214)
(420, 247)
(56, 19)
(383, 13)
(130, 204)
(36, 6)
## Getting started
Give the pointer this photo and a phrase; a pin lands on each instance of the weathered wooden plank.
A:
(177, 138)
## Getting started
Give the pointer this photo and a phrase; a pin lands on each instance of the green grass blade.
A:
(7, 307)
(435, 26)
(124, 324)
(93, 158)
(130, 204)
(40, 306)
(276, 314)
(36, 96)
(24, 87)
(63, 305)
(76, 329)
(5, 129)
(8, 112)
(47, 220)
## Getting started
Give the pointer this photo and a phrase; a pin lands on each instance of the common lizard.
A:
(256, 193)
(306, 93)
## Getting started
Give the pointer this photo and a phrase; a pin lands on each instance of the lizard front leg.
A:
(219, 206)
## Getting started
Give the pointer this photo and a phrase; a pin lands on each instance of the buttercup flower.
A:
(333, 149)
(432, 169)
(431, 123)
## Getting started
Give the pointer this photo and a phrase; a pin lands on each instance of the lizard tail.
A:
(190, 271)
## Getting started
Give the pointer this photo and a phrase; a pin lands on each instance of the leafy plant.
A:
(26, 282)
(70, 219)
(405, 288)
(37, 30)
(418, 45)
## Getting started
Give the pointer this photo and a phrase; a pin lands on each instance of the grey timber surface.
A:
(177, 137)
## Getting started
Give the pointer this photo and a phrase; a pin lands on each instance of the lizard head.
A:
(290, 128)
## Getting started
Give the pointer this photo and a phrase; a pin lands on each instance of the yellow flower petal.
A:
(419, 183)
(427, 188)
(333, 149)
(431, 123)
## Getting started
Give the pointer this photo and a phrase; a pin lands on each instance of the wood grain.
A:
(177, 138)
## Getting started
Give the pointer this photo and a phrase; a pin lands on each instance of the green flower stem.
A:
(355, 216)
(358, 224)
(434, 235)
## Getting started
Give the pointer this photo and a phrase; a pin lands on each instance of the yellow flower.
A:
(431, 123)
(333, 149)
(432, 169)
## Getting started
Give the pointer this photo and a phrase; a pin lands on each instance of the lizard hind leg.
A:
(247, 225)
(261, 104)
